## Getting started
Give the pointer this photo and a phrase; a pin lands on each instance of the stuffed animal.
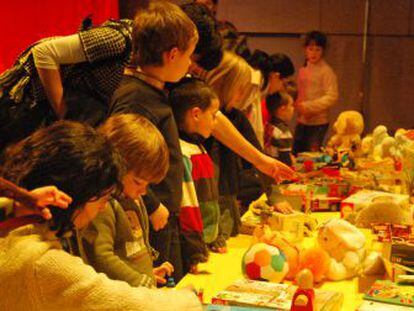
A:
(387, 149)
(263, 234)
(345, 245)
(348, 128)
(317, 261)
(384, 209)
(379, 134)
(367, 146)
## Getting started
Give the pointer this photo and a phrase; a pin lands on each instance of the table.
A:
(222, 269)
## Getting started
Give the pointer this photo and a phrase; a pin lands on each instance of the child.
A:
(117, 241)
(231, 81)
(38, 273)
(317, 93)
(163, 40)
(195, 106)
(278, 138)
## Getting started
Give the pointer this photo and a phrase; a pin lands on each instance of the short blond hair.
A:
(230, 75)
(159, 28)
(140, 143)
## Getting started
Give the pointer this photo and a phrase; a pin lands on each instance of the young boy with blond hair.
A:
(117, 241)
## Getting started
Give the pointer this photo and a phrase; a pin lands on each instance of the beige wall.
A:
(276, 26)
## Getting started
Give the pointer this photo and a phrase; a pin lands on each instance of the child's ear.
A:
(275, 74)
(196, 113)
(171, 54)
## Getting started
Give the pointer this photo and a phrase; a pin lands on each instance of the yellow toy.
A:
(348, 129)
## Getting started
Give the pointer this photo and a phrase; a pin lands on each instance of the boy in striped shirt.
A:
(195, 106)
(278, 137)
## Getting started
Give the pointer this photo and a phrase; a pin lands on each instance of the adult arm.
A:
(227, 134)
(93, 45)
(38, 199)
(48, 56)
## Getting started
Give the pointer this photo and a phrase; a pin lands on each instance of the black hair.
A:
(209, 45)
(233, 41)
(275, 101)
(71, 156)
(190, 93)
(279, 62)
(316, 37)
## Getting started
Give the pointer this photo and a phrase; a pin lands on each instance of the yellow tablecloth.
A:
(222, 269)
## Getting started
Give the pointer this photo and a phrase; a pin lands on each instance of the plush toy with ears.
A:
(345, 245)
(348, 129)
(384, 209)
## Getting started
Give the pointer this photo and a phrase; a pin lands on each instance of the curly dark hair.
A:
(71, 156)
(278, 62)
(209, 45)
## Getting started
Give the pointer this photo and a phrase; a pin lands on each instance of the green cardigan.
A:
(116, 243)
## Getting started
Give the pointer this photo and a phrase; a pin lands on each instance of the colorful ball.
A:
(264, 262)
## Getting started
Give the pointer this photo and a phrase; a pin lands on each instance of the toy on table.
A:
(345, 245)
(170, 282)
(384, 209)
(366, 207)
(263, 234)
(348, 129)
(295, 224)
(304, 297)
(317, 261)
(264, 262)
(314, 259)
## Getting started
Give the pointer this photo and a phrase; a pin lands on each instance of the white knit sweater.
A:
(318, 91)
(35, 274)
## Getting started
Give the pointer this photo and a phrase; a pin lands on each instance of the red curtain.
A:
(23, 22)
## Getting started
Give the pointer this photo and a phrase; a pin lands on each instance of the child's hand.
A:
(194, 269)
(159, 218)
(50, 196)
(162, 271)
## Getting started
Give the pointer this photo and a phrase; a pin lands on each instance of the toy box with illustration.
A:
(389, 292)
(272, 296)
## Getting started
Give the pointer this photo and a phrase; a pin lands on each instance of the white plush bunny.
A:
(346, 246)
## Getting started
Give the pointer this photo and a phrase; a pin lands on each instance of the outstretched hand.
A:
(275, 169)
(49, 196)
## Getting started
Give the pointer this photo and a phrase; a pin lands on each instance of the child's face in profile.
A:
(275, 84)
(205, 121)
(134, 186)
(285, 112)
(178, 62)
(313, 53)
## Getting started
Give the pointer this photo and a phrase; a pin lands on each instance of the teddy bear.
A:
(384, 209)
(348, 129)
(386, 149)
(345, 245)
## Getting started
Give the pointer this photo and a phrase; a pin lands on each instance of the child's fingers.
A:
(46, 214)
(160, 279)
(168, 268)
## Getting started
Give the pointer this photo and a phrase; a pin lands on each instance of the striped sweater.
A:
(199, 212)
